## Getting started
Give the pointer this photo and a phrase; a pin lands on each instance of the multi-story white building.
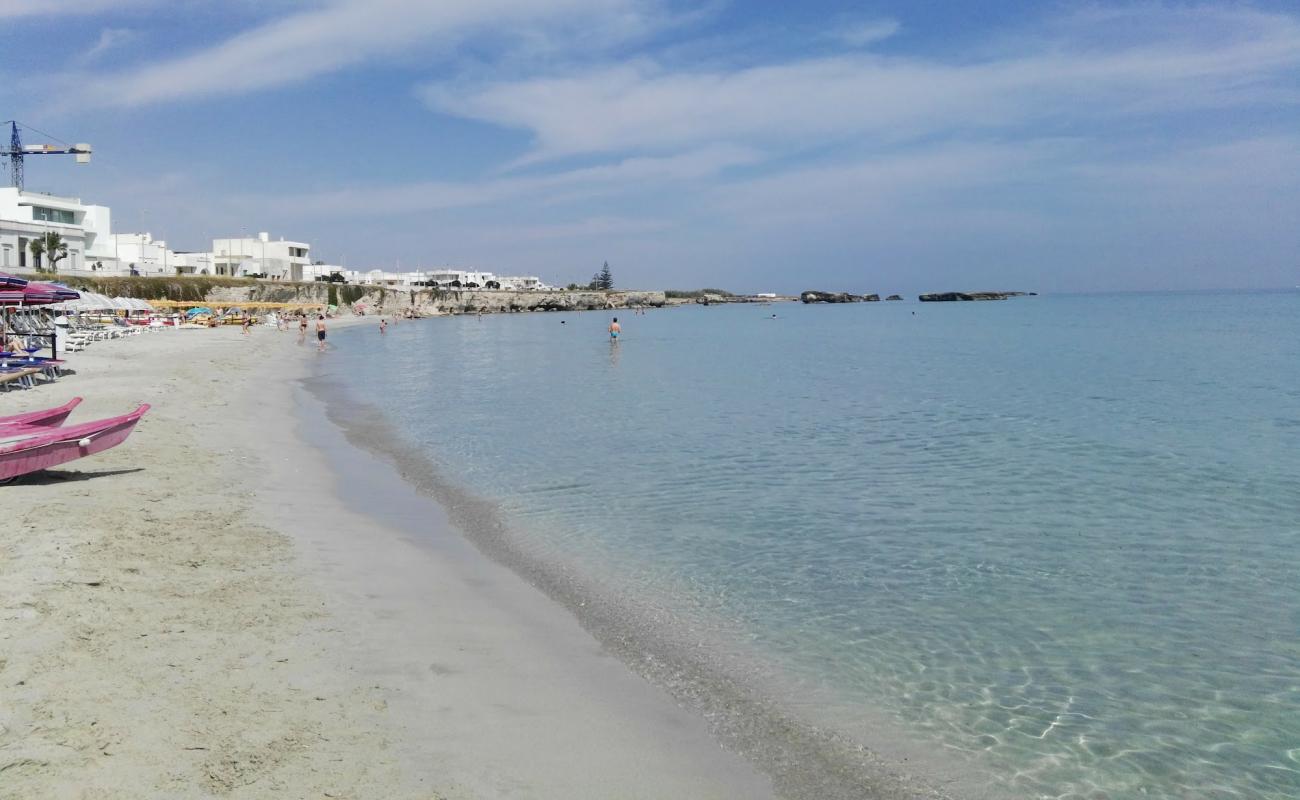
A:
(25, 216)
(139, 254)
(277, 260)
(94, 249)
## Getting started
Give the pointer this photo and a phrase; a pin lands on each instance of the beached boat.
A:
(45, 418)
(31, 449)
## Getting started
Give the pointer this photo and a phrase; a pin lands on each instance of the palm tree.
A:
(37, 246)
(52, 246)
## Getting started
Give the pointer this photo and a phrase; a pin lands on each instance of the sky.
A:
(754, 146)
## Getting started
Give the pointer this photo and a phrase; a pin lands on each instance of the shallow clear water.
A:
(1061, 534)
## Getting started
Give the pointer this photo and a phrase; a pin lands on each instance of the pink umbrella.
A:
(36, 294)
(8, 281)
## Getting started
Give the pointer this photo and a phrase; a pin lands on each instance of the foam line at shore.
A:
(498, 688)
(803, 760)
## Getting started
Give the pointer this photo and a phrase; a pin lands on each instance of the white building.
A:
(443, 277)
(139, 254)
(193, 263)
(451, 277)
(276, 260)
(94, 249)
(25, 216)
(522, 283)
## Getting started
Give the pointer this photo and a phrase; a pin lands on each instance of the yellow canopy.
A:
(230, 304)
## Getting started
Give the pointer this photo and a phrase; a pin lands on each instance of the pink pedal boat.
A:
(33, 448)
(47, 418)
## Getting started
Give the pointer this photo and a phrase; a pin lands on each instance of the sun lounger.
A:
(23, 377)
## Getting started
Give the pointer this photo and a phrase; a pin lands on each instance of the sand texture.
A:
(196, 613)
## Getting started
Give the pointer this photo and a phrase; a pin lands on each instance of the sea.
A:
(1043, 547)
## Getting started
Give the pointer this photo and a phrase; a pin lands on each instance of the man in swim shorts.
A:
(614, 329)
(320, 333)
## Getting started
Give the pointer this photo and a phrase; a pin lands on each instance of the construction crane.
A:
(17, 151)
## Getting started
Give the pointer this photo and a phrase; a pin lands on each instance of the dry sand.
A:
(197, 614)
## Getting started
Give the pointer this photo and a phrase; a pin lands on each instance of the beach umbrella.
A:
(37, 294)
(8, 281)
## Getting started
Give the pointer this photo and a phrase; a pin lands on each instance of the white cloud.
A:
(629, 175)
(50, 8)
(861, 34)
(1245, 57)
(589, 228)
(109, 39)
(334, 35)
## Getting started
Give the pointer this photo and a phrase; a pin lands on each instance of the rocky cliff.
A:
(232, 291)
(431, 302)
(473, 301)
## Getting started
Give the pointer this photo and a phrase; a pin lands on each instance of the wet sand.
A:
(198, 613)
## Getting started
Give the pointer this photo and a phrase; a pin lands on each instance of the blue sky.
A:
(870, 146)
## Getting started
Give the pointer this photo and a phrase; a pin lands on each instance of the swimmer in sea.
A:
(614, 329)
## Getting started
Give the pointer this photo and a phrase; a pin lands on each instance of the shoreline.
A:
(195, 612)
(803, 759)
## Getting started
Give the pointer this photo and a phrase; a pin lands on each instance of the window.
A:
(58, 215)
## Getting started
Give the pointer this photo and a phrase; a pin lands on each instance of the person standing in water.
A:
(302, 327)
(383, 325)
(614, 329)
(320, 333)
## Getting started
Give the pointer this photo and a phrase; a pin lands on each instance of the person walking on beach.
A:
(302, 327)
(247, 323)
(320, 333)
(614, 330)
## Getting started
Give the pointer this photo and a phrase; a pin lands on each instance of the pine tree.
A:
(605, 279)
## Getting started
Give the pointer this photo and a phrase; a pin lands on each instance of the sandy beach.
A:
(198, 613)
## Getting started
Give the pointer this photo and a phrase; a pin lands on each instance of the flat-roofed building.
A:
(26, 216)
(278, 260)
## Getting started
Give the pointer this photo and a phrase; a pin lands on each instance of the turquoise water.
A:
(1059, 535)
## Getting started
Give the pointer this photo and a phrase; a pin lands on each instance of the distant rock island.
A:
(950, 297)
(813, 296)
(837, 297)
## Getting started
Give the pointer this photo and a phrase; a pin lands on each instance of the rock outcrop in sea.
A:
(950, 297)
(811, 296)
(894, 297)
